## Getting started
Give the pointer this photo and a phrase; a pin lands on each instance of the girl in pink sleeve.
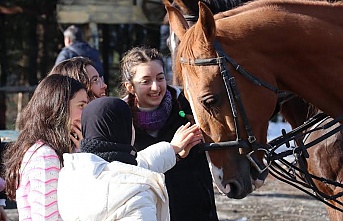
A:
(34, 160)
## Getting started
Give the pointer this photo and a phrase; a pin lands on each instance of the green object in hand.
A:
(182, 114)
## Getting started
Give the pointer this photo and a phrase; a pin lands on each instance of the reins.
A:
(296, 173)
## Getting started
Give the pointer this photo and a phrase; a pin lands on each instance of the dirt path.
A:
(275, 201)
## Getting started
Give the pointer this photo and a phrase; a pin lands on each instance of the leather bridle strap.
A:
(221, 62)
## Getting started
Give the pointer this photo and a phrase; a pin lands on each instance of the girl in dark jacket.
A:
(158, 110)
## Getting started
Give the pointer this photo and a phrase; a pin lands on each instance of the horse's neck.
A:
(306, 60)
(303, 6)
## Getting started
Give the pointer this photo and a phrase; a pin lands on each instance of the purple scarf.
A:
(155, 119)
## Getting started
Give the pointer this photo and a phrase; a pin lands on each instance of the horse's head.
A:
(190, 10)
(201, 70)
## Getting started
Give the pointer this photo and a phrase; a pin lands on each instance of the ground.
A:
(275, 201)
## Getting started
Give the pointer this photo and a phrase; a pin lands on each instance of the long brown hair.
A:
(46, 118)
(76, 68)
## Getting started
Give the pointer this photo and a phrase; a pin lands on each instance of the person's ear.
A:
(129, 87)
(67, 41)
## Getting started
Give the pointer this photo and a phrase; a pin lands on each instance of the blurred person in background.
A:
(76, 46)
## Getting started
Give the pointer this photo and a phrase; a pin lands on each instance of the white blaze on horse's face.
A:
(217, 174)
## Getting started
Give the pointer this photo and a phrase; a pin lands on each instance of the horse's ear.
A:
(206, 22)
(166, 2)
(176, 21)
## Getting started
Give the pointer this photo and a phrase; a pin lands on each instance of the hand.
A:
(76, 134)
(3, 215)
(185, 138)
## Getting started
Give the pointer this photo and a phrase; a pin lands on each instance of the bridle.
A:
(288, 176)
(235, 103)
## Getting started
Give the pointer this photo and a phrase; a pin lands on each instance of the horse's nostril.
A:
(236, 190)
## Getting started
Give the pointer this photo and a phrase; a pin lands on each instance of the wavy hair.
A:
(46, 118)
(76, 68)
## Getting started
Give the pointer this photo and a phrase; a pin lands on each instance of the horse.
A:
(283, 44)
(325, 158)
(298, 113)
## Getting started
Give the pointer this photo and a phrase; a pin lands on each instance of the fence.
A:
(15, 101)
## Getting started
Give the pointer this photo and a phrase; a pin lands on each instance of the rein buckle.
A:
(251, 139)
(256, 165)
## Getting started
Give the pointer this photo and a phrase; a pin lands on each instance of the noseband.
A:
(235, 104)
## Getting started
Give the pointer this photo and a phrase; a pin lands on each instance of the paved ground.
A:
(275, 201)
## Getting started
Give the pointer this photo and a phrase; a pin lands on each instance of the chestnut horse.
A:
(286, 45)
(325, 159)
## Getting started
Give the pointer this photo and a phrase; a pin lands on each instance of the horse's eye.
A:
(209, 101)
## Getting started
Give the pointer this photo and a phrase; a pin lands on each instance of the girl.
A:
(34, 160)
(122, 184)
(83, 70)
(158, 111)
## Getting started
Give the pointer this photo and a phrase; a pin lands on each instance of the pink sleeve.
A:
(2, 184)
(43, 175)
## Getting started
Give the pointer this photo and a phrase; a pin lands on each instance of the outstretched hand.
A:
(185, 138)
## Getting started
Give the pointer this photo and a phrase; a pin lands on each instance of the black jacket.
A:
(83, 49)
(2, 169)
(189, 182)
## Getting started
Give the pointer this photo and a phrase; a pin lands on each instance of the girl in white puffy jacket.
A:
(109, 180)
